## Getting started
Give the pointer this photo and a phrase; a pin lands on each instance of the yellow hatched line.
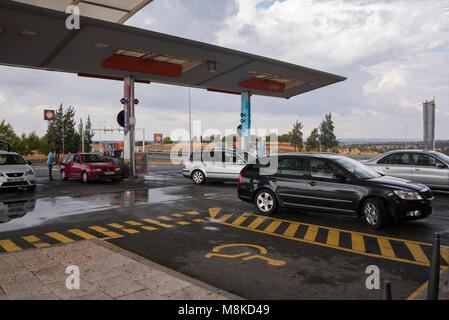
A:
(82, 234)
(36, 241)
(333, 238)
(385, 247)
(106, 232)
(257, 222)
(119, 226)
(273, 226)
(133, 223)
(159, 223)
(417, 252)
(60, 237)
(311, 233)
(292, 228)
(165, 218)
(240, 219)
(226, 217)
(9, 246)
(358, 243)
(183, 223)
(177, 215)
(193, 213)
(198, 220)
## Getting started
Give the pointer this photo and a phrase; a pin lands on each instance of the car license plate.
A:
(109, 173)
(15, 180)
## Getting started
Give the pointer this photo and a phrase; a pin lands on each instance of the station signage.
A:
(49, 115)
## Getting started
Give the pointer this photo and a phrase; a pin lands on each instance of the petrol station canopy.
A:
(34, 36)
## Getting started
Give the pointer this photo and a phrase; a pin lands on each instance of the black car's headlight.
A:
(408, 195)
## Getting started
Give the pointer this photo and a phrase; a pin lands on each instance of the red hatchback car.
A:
(89, 166)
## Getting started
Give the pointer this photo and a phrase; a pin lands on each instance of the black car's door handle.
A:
(312, 183)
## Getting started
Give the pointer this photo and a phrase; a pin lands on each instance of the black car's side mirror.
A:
(29, 163)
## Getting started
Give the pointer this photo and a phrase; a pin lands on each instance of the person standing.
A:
(50, 160)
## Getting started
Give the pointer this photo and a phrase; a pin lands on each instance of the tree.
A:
(7, 134)
(88, 135)
(61, 131)
(327, 135)
(296, 136)
(312, 142)
(167, 140)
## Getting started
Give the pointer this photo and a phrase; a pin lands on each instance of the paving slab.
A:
(106, 273)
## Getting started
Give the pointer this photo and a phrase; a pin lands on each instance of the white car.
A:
(15, 172)
(216, 164)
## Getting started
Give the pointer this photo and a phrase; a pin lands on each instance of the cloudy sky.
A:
(394, 53)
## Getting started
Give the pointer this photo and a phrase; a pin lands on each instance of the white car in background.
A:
(15, 172)
(216, 164)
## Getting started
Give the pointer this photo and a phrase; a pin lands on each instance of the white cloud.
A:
(394, 54)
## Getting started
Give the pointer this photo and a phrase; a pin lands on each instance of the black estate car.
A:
(332, 183)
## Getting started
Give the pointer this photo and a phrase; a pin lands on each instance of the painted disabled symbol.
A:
(247, 255)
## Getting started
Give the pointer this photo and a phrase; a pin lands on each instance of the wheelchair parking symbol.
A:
(216, 252)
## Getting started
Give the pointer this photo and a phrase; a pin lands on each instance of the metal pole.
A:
(82, 139)
(190, 126)
(386, 290)
(434, 273)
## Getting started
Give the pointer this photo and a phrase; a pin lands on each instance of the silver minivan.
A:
(427, 167)
(216, 164)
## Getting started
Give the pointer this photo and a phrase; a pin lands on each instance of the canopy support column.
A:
(245, 121)
(130, 125)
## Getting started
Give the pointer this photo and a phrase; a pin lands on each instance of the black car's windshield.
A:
(358, 169)
(11, 159)
(93, 158)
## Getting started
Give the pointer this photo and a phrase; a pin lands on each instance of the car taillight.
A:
(184, 166)
(240, 179)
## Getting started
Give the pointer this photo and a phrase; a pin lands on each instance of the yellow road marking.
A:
(385, 247)
(9, 246)
(198, 220)
(193, 213)
(106, 232)
(177, 215)
(311, 233)
(82, 234)
(240, 219)
(183, 223)
(213, 212)
(148, 228)
(36, 241)
(159, 223)
(165, 218)
(119, 226)
(417, 252)
(291, 230)
(444, 252)
(273, 226)
(333, 238)
(133, 223)
(358, 244)
(60, 237)
(257, 222)
(226, 217)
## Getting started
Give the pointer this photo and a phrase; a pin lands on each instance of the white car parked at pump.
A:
(15, 172)
(217, 164)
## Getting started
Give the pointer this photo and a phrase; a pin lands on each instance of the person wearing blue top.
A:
(50, 160)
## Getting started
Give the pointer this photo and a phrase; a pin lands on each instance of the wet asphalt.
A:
(310, 271)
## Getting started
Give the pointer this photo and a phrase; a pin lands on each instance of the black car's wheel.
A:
(64, 176)
(85, 177)
(375, 213)
(198, 177)
(32, 188)
(266, 202)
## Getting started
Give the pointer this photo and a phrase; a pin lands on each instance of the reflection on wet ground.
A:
(29, 213)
